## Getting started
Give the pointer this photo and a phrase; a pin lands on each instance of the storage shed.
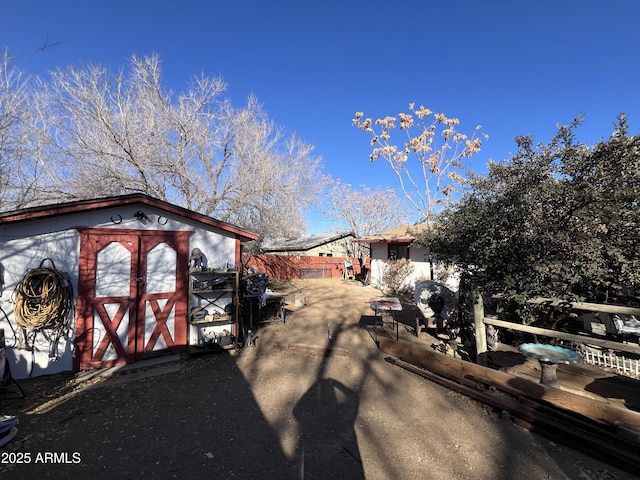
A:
(125, 262)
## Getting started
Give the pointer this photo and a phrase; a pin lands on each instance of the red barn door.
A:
(132, 295)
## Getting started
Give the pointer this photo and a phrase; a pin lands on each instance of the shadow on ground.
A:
(337, 411)
(201, 423)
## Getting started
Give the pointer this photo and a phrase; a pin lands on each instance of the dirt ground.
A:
(313, 399)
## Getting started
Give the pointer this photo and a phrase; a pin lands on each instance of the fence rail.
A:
(619, 346)
(607, 359)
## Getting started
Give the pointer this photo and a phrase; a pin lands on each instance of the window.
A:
(398, 251)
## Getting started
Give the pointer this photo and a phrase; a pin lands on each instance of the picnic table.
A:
(388, 304)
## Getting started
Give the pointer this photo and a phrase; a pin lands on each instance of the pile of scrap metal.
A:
(440, 309)
(8, 423)
(255, 283)
(271, 304)
(8, 428)
(437, 305)
(613, 325)
(617, 322)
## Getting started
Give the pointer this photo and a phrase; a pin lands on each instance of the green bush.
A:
(560, 220)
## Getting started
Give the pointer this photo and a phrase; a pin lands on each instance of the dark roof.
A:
(302, 243)
(404, 234)
(79, 206)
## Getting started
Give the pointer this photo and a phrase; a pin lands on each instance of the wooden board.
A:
(471, 374)
(582, 379)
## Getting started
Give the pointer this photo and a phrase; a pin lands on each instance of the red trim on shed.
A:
(79, 206)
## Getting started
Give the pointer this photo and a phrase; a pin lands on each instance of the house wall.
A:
(423, 270)
(419, 258)
(339, 248)
(328, 250)
(25, 245)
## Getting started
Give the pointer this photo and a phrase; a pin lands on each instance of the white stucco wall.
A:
(25, 245)
(419, 258)
(17, 256)
(422, 267)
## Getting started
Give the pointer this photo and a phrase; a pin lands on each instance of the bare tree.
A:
(123, 132)
(21, 167)
(436, 145)
(364, 211)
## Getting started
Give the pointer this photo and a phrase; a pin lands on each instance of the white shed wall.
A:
(24, 245)
(17, 257)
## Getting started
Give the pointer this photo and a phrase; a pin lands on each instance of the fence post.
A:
(480, 328)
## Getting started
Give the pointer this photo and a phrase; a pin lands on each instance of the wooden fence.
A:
(293, 267)
(605, 359)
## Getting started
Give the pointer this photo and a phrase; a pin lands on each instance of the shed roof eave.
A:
(36, 213)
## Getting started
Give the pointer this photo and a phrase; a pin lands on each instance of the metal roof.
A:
(302, 243)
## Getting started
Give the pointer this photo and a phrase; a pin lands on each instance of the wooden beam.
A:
(624, 347)
(558, 426)
(480, 329)
(470, 374)
(589, 307)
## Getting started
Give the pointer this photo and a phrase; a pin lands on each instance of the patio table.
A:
(389, 304)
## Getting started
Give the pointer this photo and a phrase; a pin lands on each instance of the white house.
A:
(126, 262)
(397, 244)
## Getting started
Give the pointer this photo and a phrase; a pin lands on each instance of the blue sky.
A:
(514, 67)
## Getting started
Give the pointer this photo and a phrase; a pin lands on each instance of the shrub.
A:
(396, 274)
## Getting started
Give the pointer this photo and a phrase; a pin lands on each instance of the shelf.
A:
(217, 292)
(212, 272)
(222, 320)
(210, 348)
(212, 290)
